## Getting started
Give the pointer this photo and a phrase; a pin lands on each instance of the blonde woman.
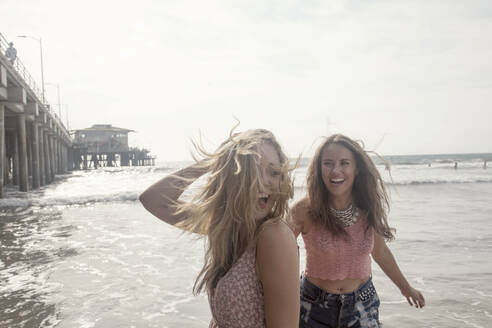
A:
(251, 266)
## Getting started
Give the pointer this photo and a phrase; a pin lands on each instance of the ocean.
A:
(83, 252)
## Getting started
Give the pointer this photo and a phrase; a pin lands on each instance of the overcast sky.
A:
(406, 77)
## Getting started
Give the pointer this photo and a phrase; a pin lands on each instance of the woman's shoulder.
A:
(302, 203)
(276, 231)
(275, 238)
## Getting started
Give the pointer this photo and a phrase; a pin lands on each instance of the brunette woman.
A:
(343, 222)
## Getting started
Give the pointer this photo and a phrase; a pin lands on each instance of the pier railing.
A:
(21, 69)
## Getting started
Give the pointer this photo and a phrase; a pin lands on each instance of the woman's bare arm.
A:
(161, 197)
(385, 259)
(278, 270)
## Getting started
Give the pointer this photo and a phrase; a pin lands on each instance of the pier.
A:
(35, 145)
(106, 145)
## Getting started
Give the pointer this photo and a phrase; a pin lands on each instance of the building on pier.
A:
(34, 143)
(107, 145)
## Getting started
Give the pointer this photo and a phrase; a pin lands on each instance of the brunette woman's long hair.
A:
(368, 191)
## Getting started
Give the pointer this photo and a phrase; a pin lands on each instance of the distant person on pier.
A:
(251, 266)
(11, 53)
(484, 164)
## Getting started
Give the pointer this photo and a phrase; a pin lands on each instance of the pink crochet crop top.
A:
(237, 301)
(339, 258)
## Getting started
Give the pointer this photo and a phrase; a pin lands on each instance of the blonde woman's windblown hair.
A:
(224, 209)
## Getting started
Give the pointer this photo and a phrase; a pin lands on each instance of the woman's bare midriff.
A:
(344, 286)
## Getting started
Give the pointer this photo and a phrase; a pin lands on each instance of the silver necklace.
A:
(347, 216)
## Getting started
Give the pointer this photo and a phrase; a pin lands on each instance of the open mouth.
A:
(337, 181)
(262, 200)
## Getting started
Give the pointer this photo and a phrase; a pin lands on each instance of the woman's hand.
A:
(298, 219)
(385, 259)
(414, 297)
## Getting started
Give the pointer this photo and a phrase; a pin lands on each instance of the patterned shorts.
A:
(320, 309)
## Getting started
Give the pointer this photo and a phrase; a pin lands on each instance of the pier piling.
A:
(15, 158)
(2, 148)
(36, 182)
(23, 170)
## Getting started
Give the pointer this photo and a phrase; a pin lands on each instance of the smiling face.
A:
(269, 166)
(338, 170)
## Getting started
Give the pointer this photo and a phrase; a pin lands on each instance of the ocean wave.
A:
(11, 203)
(127, 170)
(301, 186)
(438, 181)
(16, 200)
(164, 168)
